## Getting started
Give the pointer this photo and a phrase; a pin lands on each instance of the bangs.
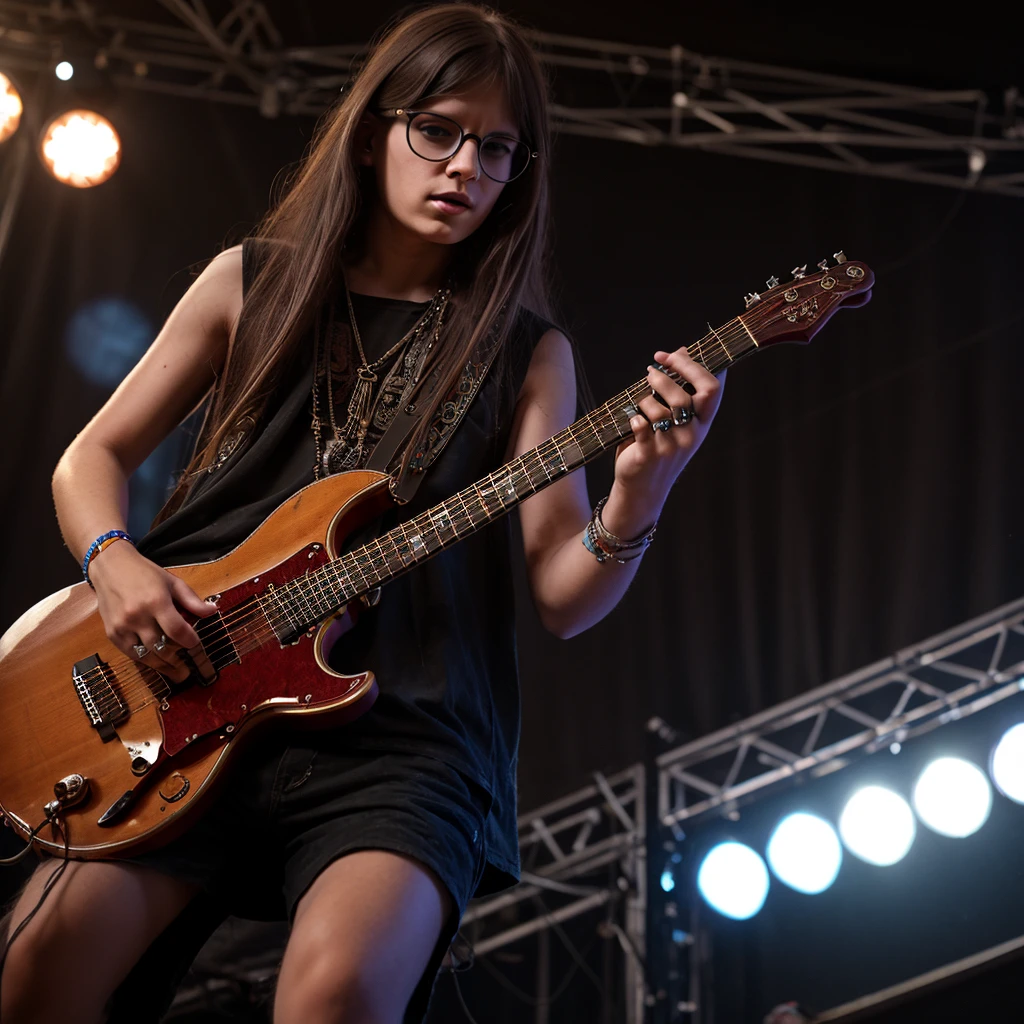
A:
(468, 56)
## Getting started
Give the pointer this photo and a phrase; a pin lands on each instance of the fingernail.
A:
(688, 387)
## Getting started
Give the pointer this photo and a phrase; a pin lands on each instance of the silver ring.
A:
(140, 649)
(161, 643)
(684, 417)
(662, 425)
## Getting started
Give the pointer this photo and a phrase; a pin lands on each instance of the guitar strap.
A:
(446, 420)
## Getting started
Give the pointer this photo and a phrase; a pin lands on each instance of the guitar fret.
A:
(422, 536)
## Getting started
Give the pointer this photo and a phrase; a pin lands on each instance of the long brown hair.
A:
(438, 50)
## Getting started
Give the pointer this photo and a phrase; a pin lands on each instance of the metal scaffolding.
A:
(948, 677)
(583, 851)
(229, 51)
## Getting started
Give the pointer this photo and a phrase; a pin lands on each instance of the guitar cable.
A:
(47, 888)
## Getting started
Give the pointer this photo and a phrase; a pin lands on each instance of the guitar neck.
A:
(365, 568)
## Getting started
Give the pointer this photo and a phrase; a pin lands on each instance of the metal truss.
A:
(943, 679)
(567, 848)
(229, 51)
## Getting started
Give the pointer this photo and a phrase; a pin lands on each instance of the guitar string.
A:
(598, 421)
(606, 418)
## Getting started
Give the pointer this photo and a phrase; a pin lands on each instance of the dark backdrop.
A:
(852, 497)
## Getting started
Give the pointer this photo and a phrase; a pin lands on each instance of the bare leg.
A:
(91, 929)
(362, 937)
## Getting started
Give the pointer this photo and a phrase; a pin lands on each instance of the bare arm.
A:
(90, 480)
(571, 589)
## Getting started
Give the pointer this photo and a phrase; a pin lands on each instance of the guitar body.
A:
(165, 757)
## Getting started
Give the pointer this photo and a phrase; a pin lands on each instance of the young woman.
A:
(411, 240)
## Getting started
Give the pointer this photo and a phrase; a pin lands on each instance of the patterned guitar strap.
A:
(444, 424)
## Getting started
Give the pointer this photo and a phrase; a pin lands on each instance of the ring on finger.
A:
(141, 650)
(665, 424)
(160, 644)
(682, 417)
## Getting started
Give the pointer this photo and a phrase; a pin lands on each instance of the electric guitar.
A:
(101, 755)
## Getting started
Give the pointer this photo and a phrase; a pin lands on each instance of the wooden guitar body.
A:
(165, 755)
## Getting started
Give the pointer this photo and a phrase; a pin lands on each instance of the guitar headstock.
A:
(796, 311)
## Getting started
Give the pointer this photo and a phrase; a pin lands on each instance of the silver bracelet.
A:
(603, 544)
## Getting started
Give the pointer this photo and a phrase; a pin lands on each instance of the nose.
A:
(465, 161)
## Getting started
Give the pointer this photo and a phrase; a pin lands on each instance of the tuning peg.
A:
(772, 281)
(751, 299)
(823, 264)
(839, 257)
(799, 272)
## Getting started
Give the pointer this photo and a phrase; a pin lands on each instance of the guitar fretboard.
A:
(314, 596)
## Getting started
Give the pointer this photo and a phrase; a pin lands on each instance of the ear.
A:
(366, 138)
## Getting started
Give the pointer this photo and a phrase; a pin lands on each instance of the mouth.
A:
(453, 199)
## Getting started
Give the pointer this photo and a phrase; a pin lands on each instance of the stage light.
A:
(1008, 764)
(10, 108)
(953, 797)
(805, 853)
(64, 70)
(733, 880)
(877, 825)
(81, 148)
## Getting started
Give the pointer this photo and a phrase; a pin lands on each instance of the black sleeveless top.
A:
(441, 642)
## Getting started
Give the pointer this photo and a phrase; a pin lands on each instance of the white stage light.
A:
(805, 853)
(63, 70)
(734, 880)
(10, 108)
(81, 148)
(877, 825)
(953, 797)
(1008, 763)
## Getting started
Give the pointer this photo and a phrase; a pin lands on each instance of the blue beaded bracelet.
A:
(95, 547)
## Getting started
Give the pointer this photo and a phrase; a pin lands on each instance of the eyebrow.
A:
(511, 132)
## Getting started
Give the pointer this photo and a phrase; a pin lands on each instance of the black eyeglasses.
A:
(436, 137)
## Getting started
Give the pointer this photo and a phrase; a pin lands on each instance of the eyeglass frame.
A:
(411, 114)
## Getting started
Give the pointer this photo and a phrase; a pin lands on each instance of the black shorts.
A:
(290, 808)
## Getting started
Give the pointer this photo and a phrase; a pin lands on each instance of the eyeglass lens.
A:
(435, 137)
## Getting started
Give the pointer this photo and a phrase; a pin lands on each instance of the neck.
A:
(395, 263)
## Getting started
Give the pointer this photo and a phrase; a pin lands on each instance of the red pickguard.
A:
(268, 672)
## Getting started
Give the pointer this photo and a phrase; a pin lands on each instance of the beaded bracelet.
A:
(603, 544)
(104, 540)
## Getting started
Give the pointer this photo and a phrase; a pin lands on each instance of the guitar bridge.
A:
(99, 696)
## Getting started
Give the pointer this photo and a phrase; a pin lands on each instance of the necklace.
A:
(347, 447)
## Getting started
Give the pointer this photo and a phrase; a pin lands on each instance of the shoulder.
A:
(220, 286)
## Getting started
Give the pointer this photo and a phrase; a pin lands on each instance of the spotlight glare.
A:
(10, 108)
(877, 825)
(1008, 764)
(733, 880)
(81, 148)
(64, 70)
(668, 882)
(953, 797)
(805, 853)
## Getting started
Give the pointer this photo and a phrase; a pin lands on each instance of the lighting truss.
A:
(563, 846)
(948, 677)
(229, 51)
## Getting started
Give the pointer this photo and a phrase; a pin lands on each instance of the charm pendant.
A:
(341, 455)
(334, 447)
